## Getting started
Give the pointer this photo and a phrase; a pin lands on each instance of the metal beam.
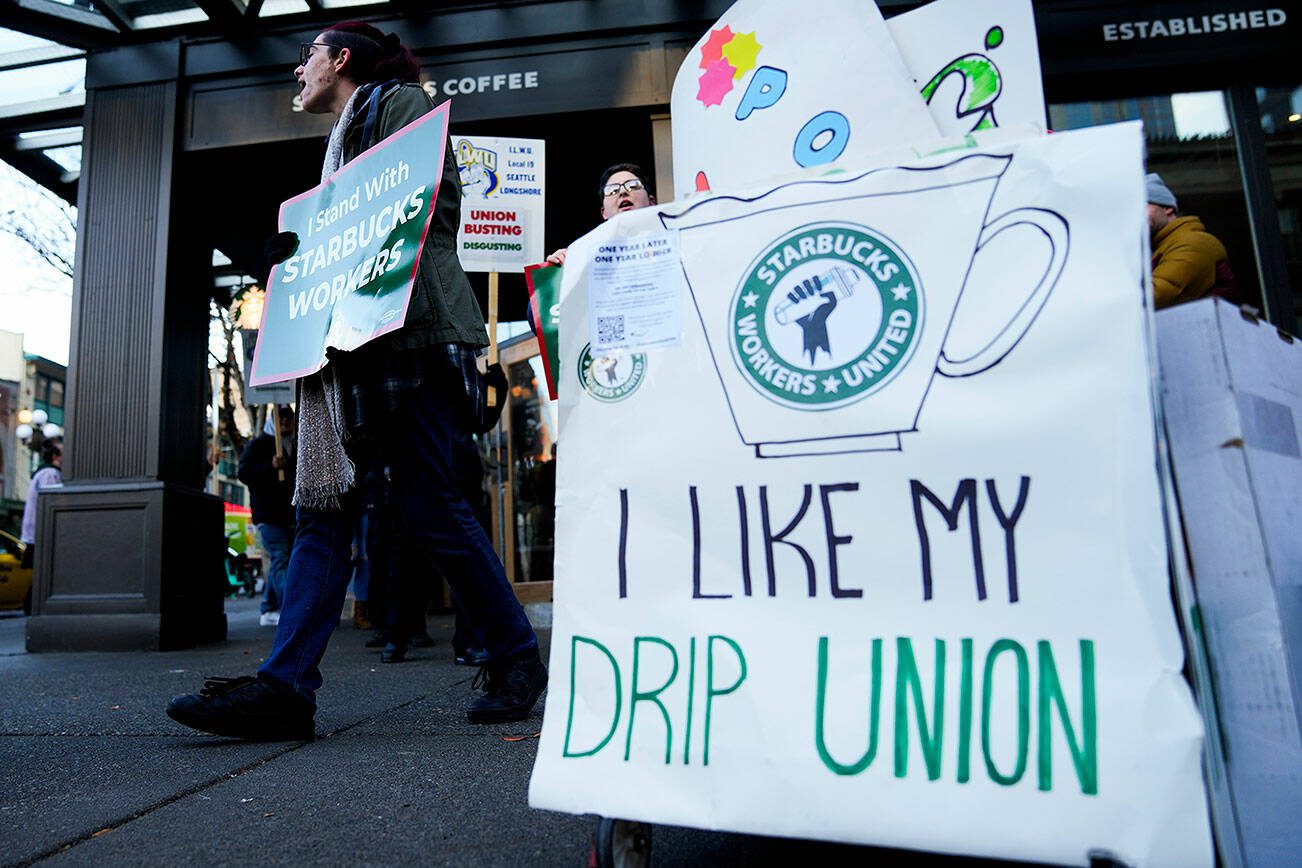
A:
(71, 14)
(43, 113)
(41, 141)
(113, 12)
(59, 23)
(43, 171)
(31, 57)
(1263, 214)
(226, 14)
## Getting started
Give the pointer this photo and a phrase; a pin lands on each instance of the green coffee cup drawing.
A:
(828, 306)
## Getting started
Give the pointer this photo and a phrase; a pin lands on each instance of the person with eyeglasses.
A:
(408, 401)
(623, 187)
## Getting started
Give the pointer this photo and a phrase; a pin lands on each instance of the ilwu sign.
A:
(875, 553)
(502, 203)
(360, 235)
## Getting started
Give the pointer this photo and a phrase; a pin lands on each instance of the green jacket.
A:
(443, 307)
(1185, 256)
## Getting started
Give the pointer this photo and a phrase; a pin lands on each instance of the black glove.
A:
(487, 416)
(279, 247)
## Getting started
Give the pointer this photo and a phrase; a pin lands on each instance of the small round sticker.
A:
(612, 377)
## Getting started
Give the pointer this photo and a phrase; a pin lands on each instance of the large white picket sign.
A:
(976, 64)
(875, 553)
(766, 91)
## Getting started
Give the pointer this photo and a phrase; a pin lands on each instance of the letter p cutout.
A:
(766, 87)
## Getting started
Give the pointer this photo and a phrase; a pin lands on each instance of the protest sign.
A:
(360, 235)
(876, 553)
(544, 282)
(976, 64)
(766, 92)
(502, 202)
(271, 393)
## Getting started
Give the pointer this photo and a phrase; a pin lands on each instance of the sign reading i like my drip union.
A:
(875, 552)
(502, 202)
(360, 235)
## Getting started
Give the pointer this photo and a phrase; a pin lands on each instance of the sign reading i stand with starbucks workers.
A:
(875, 552)
(359, 234)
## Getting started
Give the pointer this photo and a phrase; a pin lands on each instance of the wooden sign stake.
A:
(492, 332)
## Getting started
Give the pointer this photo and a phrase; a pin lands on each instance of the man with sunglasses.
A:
(623, 187)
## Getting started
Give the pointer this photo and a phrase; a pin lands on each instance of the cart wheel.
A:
(621, 844)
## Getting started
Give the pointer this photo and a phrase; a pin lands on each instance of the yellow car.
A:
(15, 579)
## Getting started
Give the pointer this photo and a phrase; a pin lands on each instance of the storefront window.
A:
(1190, 144)
(533, 455)
(520, 464)
(1281, 121)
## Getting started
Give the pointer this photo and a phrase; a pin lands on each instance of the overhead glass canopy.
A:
(43, 45)
(106, 23)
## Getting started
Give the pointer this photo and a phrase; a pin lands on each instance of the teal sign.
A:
(359, 239)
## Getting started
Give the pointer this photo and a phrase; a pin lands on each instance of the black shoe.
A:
(393, 653)
(470, 657)
(377, 640)
(255, 709)
(511, 687)
(421, 639)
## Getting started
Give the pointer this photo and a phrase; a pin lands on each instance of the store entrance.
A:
(240, 214)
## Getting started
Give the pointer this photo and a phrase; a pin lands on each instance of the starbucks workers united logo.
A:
(611, 377)
(825, 316)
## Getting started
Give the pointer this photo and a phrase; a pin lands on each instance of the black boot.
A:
(255, 709)
(511, 687)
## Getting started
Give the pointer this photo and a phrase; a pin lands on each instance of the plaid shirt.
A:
(377, 383)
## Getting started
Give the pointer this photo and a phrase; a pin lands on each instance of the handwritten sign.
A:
(766, 92)
(876, 554)
(976, 64)
(360, 235)
(502, 202)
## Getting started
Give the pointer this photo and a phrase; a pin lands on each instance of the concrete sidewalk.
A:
(93, 772)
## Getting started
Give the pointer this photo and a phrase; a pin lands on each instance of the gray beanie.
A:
(1158, 192)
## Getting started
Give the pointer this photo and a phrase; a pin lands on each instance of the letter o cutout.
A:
(806, 154)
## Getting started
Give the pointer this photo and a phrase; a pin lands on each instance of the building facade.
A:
(191, 138)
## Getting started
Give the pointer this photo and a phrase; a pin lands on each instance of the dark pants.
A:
(427, 454)
(277, 540)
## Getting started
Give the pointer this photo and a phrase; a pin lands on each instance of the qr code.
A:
(610, 329)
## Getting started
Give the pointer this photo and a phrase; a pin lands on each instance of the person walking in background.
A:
(48, 475)
(405, 401)
(1188, 261)
(270, 479)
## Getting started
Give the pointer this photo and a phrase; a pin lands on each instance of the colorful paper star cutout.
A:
(712, 50)
(741, 53)
(715, 83)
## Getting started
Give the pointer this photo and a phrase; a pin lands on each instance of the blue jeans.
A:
(276, 541)
(426, 454)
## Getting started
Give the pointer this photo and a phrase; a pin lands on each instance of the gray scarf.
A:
(325, 472)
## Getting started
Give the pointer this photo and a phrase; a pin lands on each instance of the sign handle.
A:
(280, 447)
(492, 332)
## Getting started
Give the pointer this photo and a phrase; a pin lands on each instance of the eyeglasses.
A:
(305, 51)
(631, 185)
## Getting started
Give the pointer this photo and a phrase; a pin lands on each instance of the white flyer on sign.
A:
(635, 298)
(502, 202)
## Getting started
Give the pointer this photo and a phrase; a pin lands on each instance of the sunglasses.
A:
(630, 185)
(305, 51)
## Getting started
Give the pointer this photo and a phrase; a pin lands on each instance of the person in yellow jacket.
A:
(1188, 261)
